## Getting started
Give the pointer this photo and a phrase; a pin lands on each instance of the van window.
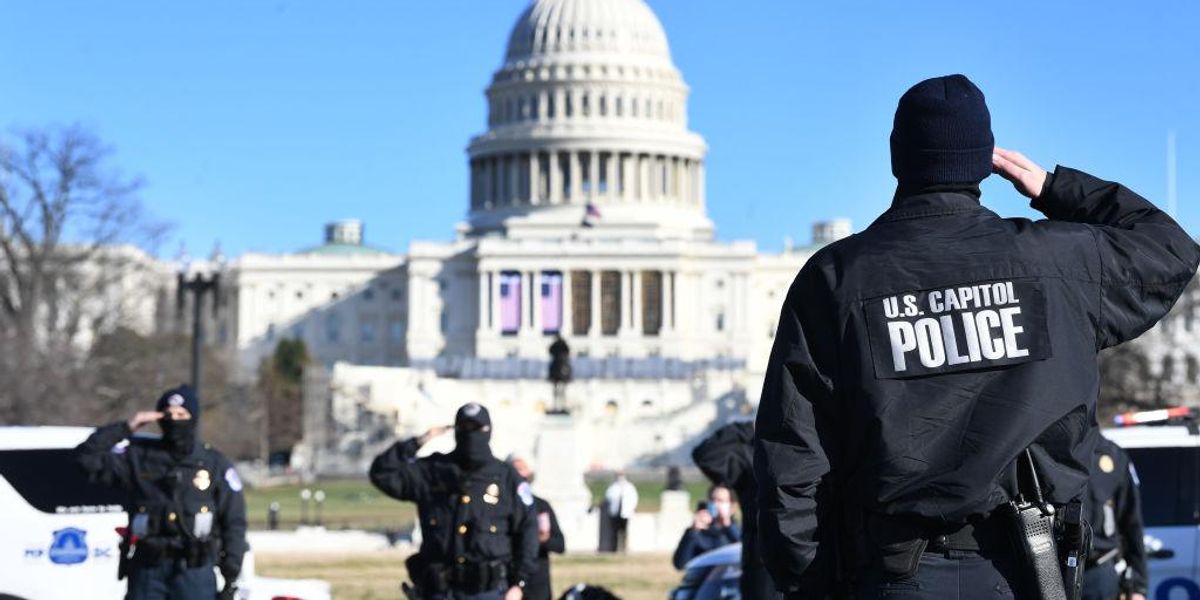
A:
(53, 482)
(1168, 483)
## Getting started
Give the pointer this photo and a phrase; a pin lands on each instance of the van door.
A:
(1169, 481)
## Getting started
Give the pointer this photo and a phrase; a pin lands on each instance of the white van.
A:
(1167, 461)
(59, 532)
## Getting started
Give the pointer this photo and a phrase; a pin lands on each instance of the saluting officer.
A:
(480, 536)
(916, 360)
(1117, 563)
(187, 512)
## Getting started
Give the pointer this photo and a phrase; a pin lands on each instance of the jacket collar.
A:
(930, 205)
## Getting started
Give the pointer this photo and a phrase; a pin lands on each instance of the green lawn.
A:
(377, 575)
(355, 504)
(349, 504)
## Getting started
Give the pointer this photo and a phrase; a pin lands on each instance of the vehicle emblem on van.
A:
(69, 546)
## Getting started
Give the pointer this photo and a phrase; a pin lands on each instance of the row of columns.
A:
(629, 310)
(558, 177)
(580, 103)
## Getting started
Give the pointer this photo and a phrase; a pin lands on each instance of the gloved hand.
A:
(229, 592)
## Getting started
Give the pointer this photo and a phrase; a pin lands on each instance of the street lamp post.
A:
(199, 285)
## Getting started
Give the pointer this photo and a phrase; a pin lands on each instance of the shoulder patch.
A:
(525, 493)
(969, 326)
(231, 477)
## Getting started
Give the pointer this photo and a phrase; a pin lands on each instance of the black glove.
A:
(229, 592)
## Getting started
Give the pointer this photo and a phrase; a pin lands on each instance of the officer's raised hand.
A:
(143, 418)
(433, 433)
(514, 593)
(1024, 174)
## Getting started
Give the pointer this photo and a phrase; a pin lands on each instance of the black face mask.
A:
(179, 436)
(473, 449)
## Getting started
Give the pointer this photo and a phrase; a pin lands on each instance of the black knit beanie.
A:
(180, 396)
(942, 133)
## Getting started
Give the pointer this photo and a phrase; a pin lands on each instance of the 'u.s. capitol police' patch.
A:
(959, 328)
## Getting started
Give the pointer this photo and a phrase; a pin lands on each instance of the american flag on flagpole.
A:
(590, 212)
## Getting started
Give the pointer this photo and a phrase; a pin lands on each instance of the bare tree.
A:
(70, 226)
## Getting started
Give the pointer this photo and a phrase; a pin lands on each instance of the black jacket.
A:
(1113, 508)
(171, 492)
(915, 360)
(480, 516)
(698, 541)
(539, 587)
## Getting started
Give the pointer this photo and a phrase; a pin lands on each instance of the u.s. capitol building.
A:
(586, 219)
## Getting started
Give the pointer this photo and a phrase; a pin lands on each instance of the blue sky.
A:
(253, 123)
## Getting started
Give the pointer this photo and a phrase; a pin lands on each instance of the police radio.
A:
(1032, 522)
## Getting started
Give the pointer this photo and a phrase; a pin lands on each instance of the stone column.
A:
(484, 309)
(555, 178)
(535, 302)
(626, 296)
(566, 324)
(668, 298)
(700, 186)
(542, 108)
(495, 276)
(525, 302)
(534, 179)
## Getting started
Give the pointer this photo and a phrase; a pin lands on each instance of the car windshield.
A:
(1168, 484)
(67, 491)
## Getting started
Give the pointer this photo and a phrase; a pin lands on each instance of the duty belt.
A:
(479, 577)
(971, 536)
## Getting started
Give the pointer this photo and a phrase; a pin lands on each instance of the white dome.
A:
(587, 123)
(626, 27)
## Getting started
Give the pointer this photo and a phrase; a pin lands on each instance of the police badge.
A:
(202, 480)
(492, 494)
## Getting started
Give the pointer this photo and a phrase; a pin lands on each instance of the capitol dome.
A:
(587, 123)
(553, 27)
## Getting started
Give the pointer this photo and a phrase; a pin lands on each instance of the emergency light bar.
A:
(1162, 415)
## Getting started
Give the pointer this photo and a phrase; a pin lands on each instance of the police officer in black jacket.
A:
(187, 512)
(916, 360)
(727, 458)
(477, 521)
(1118, 560)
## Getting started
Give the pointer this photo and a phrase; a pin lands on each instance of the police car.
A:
(60, 531)
(713, 575)
(1166, 458)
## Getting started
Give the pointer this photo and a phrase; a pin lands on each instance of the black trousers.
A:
(949, 575)
(1101, 582)
(170, 581)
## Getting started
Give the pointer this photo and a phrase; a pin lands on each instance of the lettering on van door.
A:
(959, 328)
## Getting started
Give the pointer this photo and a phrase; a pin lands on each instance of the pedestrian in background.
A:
(713, 526)
(550, 537)
(620, 504)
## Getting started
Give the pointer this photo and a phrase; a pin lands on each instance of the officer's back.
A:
(476, 513)
(916, 360)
